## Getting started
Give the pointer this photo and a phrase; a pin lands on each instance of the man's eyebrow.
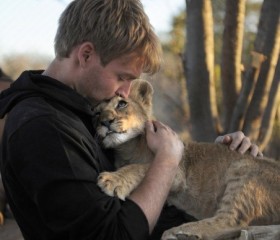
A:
(130, 76)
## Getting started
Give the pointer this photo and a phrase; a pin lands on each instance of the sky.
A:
(29, 26)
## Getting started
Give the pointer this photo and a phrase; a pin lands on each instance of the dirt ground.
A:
(10, 230)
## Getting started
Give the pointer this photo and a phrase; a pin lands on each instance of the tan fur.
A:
(221, 188)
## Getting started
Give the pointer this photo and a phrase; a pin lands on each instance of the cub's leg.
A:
(123, 181)
(243, 201)
(208, 229)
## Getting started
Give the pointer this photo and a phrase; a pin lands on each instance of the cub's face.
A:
(119, 120)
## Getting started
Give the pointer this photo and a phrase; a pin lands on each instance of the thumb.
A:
(149, 126)
(227, 139)
(223, 139)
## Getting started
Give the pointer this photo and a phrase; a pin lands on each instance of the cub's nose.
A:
(107, 123)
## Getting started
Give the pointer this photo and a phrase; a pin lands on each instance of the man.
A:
(51, 158)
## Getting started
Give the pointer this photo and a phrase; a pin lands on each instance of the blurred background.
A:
(221, 62)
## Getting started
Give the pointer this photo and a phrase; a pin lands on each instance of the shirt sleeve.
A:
(170, 217)
(58, 168)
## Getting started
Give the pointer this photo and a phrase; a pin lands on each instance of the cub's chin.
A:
(115, 139)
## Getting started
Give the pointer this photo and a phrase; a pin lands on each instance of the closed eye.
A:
(121, 104)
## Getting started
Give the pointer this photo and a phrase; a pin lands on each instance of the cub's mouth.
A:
(110, 132)
(105, 132)
(110, 138)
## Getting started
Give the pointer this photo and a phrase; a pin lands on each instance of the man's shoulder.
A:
(38, 113)
(26, 111)
(30, 108)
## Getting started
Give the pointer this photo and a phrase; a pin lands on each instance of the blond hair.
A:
(114, 27)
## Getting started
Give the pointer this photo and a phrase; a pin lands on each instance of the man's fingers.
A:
(243, 145)
(226, 139)
(223, 139)
(260, 154)
(254, 150)
(156, 125)
(239, 142)
(219, 139)
(150, 126)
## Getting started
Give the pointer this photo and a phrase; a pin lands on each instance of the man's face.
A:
(104, 82)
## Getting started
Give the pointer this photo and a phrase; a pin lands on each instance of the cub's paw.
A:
(175, 234)
(113, 184)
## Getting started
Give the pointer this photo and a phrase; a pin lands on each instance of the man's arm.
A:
(152, 192)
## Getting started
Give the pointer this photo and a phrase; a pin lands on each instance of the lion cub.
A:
(219, 187)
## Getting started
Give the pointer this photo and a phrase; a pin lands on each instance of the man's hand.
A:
(162, 140)
(239, 142)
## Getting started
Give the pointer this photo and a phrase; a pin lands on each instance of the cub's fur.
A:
(221, 188)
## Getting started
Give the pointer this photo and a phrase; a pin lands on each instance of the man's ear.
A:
(85, 53)
(142, 91)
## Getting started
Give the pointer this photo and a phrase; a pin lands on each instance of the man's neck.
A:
(61, 70)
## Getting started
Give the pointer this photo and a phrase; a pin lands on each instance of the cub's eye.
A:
(122, 104)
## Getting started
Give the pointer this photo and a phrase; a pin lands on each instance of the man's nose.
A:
(124, 90)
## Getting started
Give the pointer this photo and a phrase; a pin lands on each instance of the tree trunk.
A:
(231, 56)
(271, 110)
(249, 109)
(246, 93)
(199, 70)
(268, 40)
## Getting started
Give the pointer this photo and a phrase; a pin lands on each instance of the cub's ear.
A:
(142, 91)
